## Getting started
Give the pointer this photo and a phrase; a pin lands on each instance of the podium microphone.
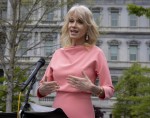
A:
(39, 64)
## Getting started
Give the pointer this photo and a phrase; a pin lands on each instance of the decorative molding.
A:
(134, 42)
(114, 9)
(96, 9)
(114, 42)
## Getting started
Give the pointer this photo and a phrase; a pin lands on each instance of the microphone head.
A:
(42, 61)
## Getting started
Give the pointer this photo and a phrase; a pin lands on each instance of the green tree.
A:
(138, 10)
(15, 30)
(19, 78)
(133, 93)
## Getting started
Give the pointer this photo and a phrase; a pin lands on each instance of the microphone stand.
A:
(26, 105)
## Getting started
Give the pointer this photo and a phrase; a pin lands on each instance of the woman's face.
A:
(77, 29)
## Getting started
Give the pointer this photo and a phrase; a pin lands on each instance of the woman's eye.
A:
(80, 21)
(71, 21)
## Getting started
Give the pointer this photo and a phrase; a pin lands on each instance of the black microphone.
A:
(39, 64)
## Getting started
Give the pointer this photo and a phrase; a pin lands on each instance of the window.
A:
(97, 14)
(114, 16)
(133, 53)
(50, 16)
(133, 50)
(23, 47)
(148, 49)
(50, 11)
(49, 47)
(3, 9)
(50, 44)
(24, 44)
(114, 80)
(36, 41)
(114, 50)
(133, 20)
(25, 9)
(2, 43)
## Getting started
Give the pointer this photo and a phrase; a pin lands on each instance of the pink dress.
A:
(72, 61)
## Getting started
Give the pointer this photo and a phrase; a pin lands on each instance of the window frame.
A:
(52, 39)
(115, 43)
(133, 43)
(97, 11)
(134, 19)
(117, 11)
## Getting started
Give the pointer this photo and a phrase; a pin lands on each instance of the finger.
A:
(45, 78)
(85, 75)
(72, 80)
(50, 83)
(50, 87)
(74, 77)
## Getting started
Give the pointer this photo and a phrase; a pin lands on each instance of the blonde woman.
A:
(74, 68)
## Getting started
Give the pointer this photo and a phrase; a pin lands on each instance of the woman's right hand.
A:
(46, 88)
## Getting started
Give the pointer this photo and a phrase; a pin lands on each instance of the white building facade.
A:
(124, 38)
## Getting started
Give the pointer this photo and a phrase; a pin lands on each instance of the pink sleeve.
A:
(49, 75)
(104, 76)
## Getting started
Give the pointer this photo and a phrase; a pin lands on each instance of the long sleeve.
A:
(104, 76)
(49, 75)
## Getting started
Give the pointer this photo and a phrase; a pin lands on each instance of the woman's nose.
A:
(74, 23)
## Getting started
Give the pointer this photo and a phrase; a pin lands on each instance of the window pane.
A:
(133, 53)
(49, 47)
(114, 81)
(97, 18)
(97, 14)
(50, 43)
(113, 52)
(49, 16)
(3, 9)
(25, 9)
(114, 19)
(23, 48)
(133, 20)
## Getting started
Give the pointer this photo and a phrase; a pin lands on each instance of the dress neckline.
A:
(77, 47)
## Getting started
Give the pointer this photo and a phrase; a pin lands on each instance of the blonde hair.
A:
(86, 16)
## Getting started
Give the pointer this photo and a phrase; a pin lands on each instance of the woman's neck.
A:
(76, 43)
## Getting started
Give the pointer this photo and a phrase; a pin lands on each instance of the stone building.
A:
(124, 38)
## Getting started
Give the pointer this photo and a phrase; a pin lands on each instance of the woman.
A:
(74, 67)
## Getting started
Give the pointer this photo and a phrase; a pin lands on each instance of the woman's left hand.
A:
(83, 84)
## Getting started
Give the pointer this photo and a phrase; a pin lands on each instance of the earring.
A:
(87, 38)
